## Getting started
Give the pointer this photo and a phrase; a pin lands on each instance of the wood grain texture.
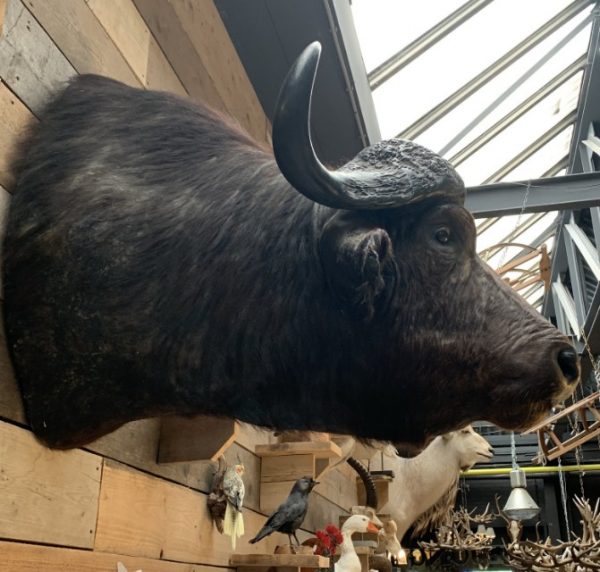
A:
(202, 23)
(46, 496)
(81, 38)
(127, 29)
(199, 438)
(136, 444)
(320, 449)
(35, 558)
(11, 405)
(339, 486)
(287, 468)
(251, 436)
(293, 560)
(14, 119)
(272, 494)
(140, 515)
(30, 64)
(2, 13)
(167, 28)
(321, 511)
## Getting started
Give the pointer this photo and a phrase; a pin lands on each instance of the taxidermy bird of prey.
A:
(226, 500)
(290, 514)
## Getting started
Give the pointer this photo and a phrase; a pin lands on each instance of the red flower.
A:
(321, 535)
(335, 535)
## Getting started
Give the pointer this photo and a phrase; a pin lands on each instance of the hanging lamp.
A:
(520, 505)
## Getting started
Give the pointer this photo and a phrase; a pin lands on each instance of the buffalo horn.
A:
(385, 175)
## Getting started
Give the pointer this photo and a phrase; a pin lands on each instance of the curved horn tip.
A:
(308, 60)
(312, 50)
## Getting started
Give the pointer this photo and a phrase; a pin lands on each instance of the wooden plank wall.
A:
(87, 509)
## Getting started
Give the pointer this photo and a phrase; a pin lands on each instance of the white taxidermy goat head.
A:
(470, 447)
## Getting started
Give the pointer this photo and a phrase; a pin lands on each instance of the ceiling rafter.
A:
(401, 59)
(468, 89)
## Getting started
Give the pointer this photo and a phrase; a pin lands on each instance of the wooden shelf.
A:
(320, 449)
(282, 464)
(200, 438)
(278, 561)
(382, 486)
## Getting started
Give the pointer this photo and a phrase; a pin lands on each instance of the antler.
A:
(456, 537)
(484, 517)
(581, 553)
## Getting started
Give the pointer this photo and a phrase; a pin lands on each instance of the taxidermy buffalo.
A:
(157, 261)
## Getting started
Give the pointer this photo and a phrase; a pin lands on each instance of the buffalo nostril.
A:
(569, 364)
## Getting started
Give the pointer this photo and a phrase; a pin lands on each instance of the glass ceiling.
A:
(509, 75)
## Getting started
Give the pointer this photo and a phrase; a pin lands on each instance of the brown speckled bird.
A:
(226, 500)
(217, 501)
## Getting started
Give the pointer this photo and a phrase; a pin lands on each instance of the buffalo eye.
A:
(442, 235)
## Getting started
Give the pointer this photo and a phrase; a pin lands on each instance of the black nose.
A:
(569, 364)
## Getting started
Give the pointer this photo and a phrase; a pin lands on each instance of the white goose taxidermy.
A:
(349, 561)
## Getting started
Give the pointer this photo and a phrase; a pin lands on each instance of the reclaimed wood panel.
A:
(251, 436)
(2, 13)
(36, 558)
(280, 560)
(202, 23)
(273, 494)
(320, 449)
(125, 26)
(14, 119)
(79, 35)
(141, 515)
(11, 406)
(199, 438)
(321, 512)
(162, 20)
(287, 468)
(30, 63)
(136, 444)
(46, 496)
(339, 486)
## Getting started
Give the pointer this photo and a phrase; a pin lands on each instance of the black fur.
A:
(156, 262)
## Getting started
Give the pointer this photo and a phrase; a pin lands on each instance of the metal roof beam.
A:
(486, 224)
(556, 193)
(579, 154)
(557, 167)
(394, 64)
(587, 105)
(546, 137)
(452, 101)
(518, 111)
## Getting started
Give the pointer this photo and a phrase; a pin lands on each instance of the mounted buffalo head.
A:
(158, 262)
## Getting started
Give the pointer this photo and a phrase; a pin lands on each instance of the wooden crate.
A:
(282, 464)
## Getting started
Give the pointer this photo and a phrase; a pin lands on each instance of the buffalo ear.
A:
(357, 260)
